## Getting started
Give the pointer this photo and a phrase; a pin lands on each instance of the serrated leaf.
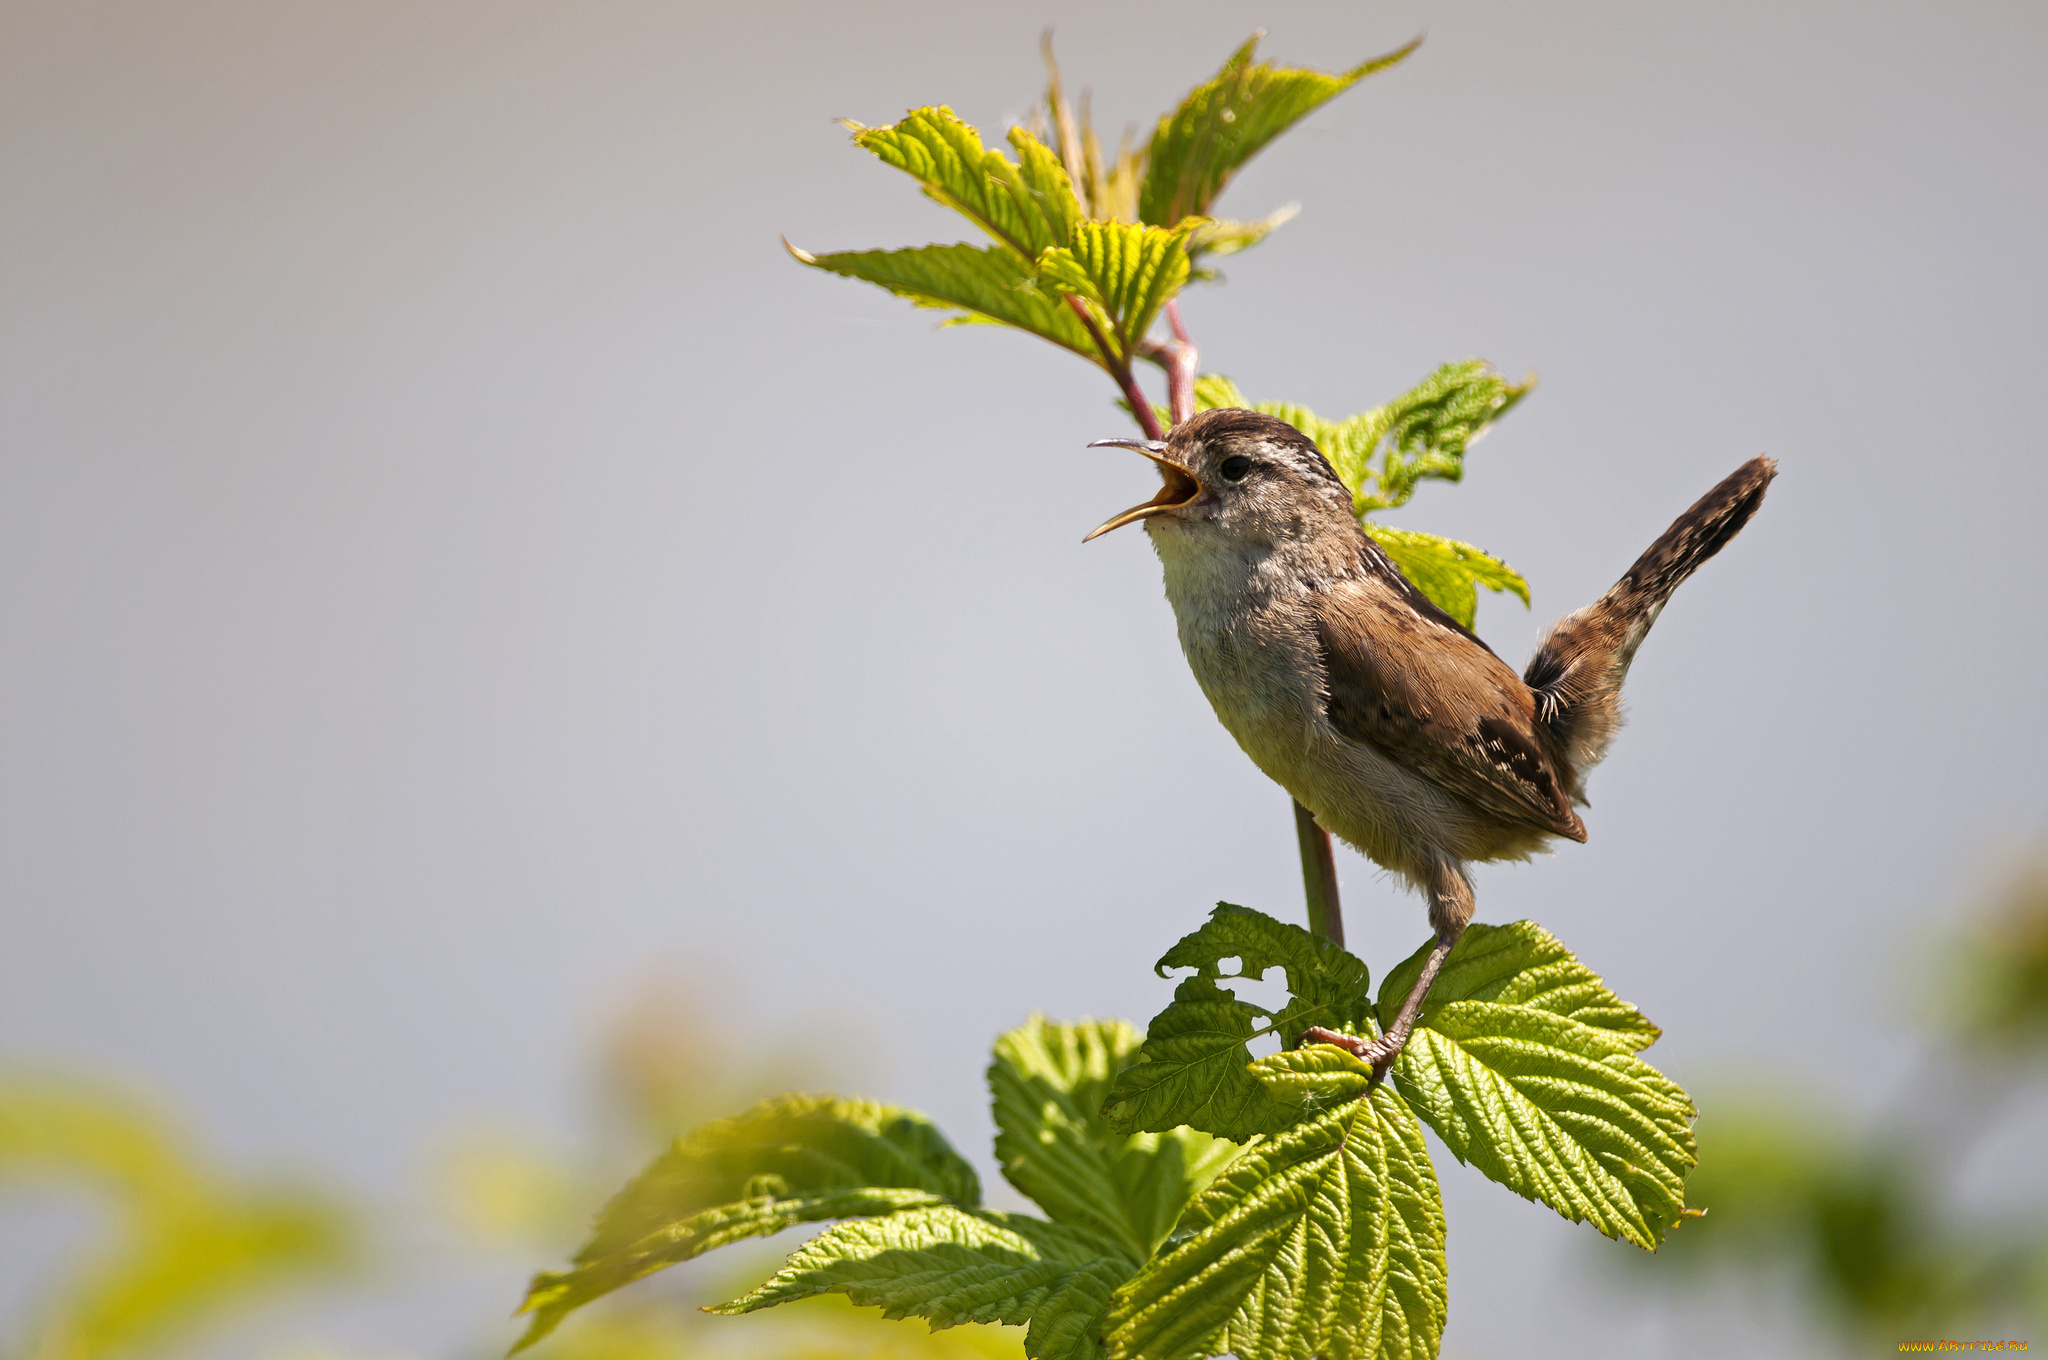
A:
(1213, 390)
(1525, 1064)
(1025, 210)
(1522, 964)
(1196, 1070)
(1227, 237)
(788, 1160)
(1194, 1065)
(951, 1265)
(1224, 122)
(1052, 192)
(1049, 1082)
(1383, 453)
(1326, 985)
(1447, 571)
(1124, 272)
(1326, 1240)
(987, 283)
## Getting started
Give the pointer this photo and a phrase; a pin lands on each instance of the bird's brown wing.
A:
(1429, 697)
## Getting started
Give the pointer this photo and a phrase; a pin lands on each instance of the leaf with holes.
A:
(789, 1160)
(1326, 986)
(951, 1265)
(1049, 1082)
(1193, 1068)
(1324, 1240)
(1447, 571)
(1229, 119)
(1525, 1064)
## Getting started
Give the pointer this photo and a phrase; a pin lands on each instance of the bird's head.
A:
(1238, 475)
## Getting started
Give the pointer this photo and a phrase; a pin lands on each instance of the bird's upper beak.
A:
(1181, 486)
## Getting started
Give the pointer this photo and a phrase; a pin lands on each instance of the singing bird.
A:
(1393, 724)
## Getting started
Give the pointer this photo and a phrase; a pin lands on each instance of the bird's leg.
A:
(1450, 909)
(1389, 1045)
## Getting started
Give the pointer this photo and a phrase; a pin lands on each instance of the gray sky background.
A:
(453, 564)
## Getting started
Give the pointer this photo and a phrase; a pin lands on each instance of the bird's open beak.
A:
(1180, 488)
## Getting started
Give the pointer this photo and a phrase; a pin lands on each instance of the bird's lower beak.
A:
(1180, 488)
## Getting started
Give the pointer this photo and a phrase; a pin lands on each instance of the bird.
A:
(1392, 723)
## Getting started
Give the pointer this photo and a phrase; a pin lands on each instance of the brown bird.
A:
(1397, 727)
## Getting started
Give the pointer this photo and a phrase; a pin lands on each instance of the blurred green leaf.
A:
(1447, 571)
(1227, 120)
(1026, 210)
(1107, 186)
(1049, 1082)
(1997, 979)
(788, 1160)
(1556, 1108)
(1123, 272)
(188, 1247)
(951, 1265)
(1325, 1240)
(987, 283)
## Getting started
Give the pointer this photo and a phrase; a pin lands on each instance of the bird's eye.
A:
(1234, 469)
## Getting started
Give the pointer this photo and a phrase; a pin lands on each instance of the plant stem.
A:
(1183, 358)
(1319, 877)
(1179, 358)
(1120, 369)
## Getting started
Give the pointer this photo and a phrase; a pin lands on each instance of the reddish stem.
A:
(1141, 405)
(1179, 358)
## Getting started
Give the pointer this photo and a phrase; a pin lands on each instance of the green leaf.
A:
(1052, 193)
(1194, 1065)
(185, 1246)
(1381, 454)
(1447, 571)
(1026, 210)
(987, 283)
(1049, 1082)
(788, 1160)
(1525, 1064)
(1213, 390)
(1123, 272)
(1226, 237)
(1522, 964)
(1196, 1070)
(1224, 122)
(950, 1265)
(1326, 985)
(1326, 1240)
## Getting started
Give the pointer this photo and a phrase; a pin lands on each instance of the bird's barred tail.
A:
(1577, 671)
